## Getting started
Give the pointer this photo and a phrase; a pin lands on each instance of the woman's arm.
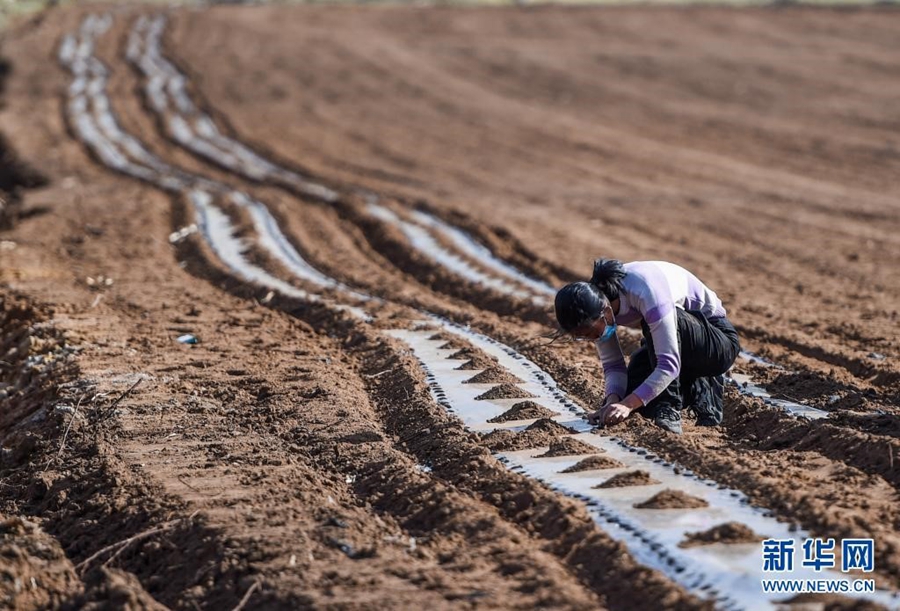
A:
(657, 307)
(615, 372)
(664, 333)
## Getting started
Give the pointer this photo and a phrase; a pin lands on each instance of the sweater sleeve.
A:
(658, 311)
(614, 370)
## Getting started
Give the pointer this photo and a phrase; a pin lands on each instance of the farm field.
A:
(276, 283)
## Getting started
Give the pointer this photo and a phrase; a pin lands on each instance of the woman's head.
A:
(581, 305)
(578, 306)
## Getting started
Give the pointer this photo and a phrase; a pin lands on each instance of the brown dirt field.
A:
(294, 457)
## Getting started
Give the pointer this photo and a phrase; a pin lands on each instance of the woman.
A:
(688, 342)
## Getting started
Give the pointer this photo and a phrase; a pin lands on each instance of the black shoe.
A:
(669, 419)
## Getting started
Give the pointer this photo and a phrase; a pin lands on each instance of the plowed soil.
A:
(294, 457)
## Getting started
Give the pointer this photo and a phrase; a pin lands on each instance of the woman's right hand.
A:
(610, 399)
(596, 417)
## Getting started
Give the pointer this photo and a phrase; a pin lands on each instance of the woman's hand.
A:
(614, 413)
(611, 413)
(596, 417)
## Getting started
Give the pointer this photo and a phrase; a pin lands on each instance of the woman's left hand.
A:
(614, 413)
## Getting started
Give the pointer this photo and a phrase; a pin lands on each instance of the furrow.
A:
(423, 241)
(94, 123)
(193, 129)
(166, 86)
(479, 252)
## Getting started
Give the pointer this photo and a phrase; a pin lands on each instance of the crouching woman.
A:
(688, 343)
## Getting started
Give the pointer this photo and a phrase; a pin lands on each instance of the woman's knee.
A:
(732, 339)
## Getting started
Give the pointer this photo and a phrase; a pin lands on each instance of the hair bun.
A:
(607, 276)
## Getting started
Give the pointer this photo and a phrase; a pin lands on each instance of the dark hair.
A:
(578, 305)
(607, 276)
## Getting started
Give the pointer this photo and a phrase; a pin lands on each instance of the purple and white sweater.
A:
(652, 291)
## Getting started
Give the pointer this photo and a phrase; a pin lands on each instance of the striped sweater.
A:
(651, 292)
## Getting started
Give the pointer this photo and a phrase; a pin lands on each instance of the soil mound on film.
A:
(441, 336)
(629, 478)
(729, 532)
(493, 375)
(541, 433)
(524, 410)
(477, 361)
(593, 462)
(453, 343)
(505, 391)
(465, 353)
(672, 499)
(568, 447)
(549, 426)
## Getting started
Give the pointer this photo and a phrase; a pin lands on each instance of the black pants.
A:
(708, 348)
